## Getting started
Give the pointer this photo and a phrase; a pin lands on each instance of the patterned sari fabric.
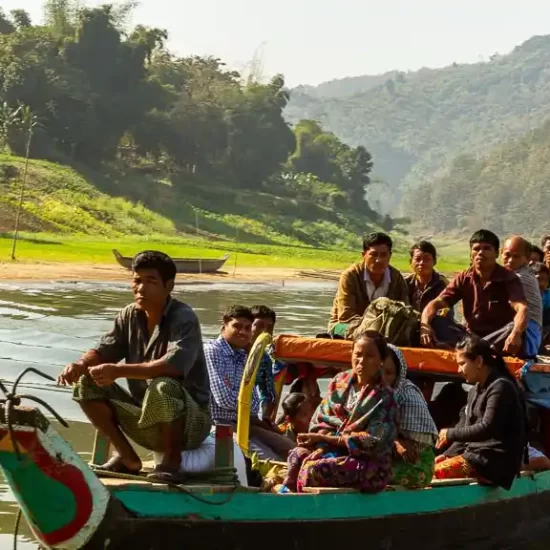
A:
(414, 475)
(287, 430)
(456, 467)
(417, 427)
(368, 430)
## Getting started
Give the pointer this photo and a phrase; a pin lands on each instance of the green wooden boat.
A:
(69, 507)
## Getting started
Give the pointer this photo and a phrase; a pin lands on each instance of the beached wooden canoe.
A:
(69, 507)
(183, 265)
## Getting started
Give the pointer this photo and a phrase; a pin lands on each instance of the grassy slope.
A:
(79, 217)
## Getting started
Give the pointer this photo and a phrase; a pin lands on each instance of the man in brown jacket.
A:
(365, 281)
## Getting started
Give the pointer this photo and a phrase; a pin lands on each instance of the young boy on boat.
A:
(264, 321)
(226, 360)
(363, 282)
(493, 302)
(166, 409)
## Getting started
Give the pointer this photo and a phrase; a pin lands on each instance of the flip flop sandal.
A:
(163, 474)
(116, 466)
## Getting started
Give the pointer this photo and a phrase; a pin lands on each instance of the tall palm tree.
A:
(10, 117)
(28, 122)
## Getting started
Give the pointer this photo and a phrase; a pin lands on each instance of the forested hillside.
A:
(113, 103)
(415, 124)
(505, 190)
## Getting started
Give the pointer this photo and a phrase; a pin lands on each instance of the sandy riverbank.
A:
(58, 271)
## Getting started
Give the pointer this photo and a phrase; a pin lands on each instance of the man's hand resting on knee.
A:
(71, 373)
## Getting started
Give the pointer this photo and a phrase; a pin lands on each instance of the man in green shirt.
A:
(167, 407)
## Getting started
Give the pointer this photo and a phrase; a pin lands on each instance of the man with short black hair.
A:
(264, 322)
(424, 283)
(365, 281)
(167, 407)
(226, 360)
(493, 301)
(545, 245)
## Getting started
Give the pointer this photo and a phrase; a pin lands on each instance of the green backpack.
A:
(396, 321)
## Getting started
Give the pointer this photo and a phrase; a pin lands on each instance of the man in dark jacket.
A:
(365, 281)
(424, 283)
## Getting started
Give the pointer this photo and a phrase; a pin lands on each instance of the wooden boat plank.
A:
(118, 484)
(325, 490)
(334, 505)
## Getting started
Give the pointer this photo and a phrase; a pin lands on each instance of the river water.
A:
(46, 325)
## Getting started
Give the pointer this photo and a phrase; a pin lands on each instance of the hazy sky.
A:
(311, 41)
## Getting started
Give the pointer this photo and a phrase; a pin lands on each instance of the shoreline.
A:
(61, 271)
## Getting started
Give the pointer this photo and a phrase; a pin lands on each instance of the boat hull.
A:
(516, 523)
(183, 265)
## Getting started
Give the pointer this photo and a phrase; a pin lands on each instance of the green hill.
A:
(505, 190)
(136, 202)
(414, 124)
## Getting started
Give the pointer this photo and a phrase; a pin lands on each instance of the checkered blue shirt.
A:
(225, 369)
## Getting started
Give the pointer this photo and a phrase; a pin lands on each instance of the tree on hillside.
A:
(114, 83)
(259, 141)
(321, 153)
(150, 39)
(6, 26)
(61, 16)
(21, 19)
(9, 120)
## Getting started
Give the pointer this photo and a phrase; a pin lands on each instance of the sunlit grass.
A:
(84, 249)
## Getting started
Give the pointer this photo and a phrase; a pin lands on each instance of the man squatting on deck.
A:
(167, 406)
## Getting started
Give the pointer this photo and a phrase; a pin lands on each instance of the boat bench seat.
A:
(118, 484)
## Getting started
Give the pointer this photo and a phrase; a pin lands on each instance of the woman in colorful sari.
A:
(351, 435)
(413, 450)
(489, 442)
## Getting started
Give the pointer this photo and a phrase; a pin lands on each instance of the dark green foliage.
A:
(104, 93)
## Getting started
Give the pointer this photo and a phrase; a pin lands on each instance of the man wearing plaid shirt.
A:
(226, 359)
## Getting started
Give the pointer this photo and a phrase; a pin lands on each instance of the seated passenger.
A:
(166, 408)
(446, 406)
(545, 245)
(493, 302)
(365, 281)
(309, 386)
(537, 255)
(537, 460)
(226, 359)
(264, 321)
(515, 256)
(351, 435)
(424, 283)
(413, 451)
(489, 442)
(542, 274)
(296, 415)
